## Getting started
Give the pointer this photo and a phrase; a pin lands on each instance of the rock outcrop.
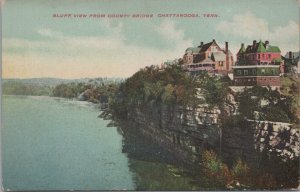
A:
(188, 131)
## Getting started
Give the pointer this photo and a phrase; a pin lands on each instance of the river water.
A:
(59, 144)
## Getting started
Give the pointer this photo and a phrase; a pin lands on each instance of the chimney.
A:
(227, 64)
(214, 40)
(290, 55)
(254, 43)
(266, 43)
(226, 47)
(201, 44)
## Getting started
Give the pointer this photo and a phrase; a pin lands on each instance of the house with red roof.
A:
(208, 57)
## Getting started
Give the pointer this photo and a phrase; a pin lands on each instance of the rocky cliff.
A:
(188, 131)
(183, 131)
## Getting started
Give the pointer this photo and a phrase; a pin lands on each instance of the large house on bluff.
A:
(292, 59)
(208, 57)
(258, 64)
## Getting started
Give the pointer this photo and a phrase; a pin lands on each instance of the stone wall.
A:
(276, 137)
(250, 137)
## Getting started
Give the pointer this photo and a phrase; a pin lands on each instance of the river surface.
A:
(52, 143)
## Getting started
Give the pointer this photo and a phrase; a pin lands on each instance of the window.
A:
(245, 72)
(253, 71)
(239, 72)
(273, 71)
(269, 56)
(263, 71)
(258, 56)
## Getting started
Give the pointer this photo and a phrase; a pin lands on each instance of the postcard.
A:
(150, 95)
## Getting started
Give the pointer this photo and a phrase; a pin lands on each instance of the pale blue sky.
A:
(37, 45)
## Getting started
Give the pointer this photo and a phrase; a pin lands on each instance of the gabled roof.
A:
(260, 47)
(218, 56)
(242, 49)
(248, 49)
(274, 49)
(200, 48)
(206, 46)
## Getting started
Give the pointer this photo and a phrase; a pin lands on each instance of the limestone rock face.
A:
(187, 131)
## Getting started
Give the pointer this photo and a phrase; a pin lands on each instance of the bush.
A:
(241, 171)
(240, 176)
(215, 169)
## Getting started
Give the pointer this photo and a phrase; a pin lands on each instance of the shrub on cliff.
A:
(89, 92)
(268, 103)
(240, 176)
(241, 171)
(169, 86)
(213, 89)
(214, 168)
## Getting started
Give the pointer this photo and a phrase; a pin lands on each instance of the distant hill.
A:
(47, 81)
(44, 86)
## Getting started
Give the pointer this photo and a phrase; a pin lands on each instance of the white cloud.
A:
(167, 29)
(250, 27)
(58, 55)
(45, 32)
(246, 25)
